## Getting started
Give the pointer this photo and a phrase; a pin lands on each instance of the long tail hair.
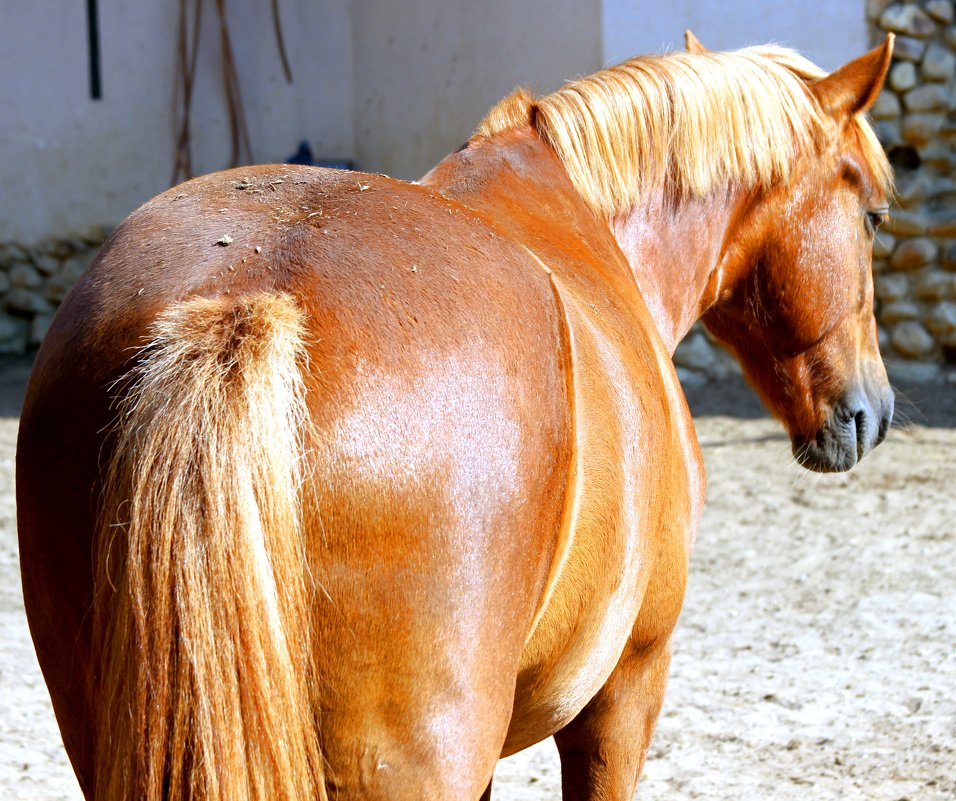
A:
(203, 591)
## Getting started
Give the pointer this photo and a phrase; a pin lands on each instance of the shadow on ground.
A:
(932, 403)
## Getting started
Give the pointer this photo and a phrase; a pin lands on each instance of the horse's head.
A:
(794, 292)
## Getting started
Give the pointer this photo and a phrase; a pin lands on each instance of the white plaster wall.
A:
(426, 71)
(828, 32)
(67, 161)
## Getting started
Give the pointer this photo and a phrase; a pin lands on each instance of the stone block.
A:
(890, 287)
(39, 325)
(947, 255)
(95, 235)
(73, 268)
(903, 76)
(690, 378)
(935, 285)
(46, 263)
(911, 254)
(876, 7)
(59, 248)
(883, 244)
(944, 224)
(941, 319)
(26, 302)
(882, 338)
(906, 223)
(694, 353)
(11, 252)
(23, 276)
(939, 64)
(910, 374)
(909, 20)
(928, 97)
(943, 227)
(886, 107)
(938, 156)
(899, 310)
(13, 335)
(905, 48)
(912, 188)
(921, 128)
(889, 132)
(941, 10)
(57, 288)
(911, 339)
(4, 282)
(949, 36)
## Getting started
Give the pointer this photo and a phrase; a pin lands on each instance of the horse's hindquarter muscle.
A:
(441, 452)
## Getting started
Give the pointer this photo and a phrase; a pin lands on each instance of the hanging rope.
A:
(238, 132)
(186, 52)
(280, 41)
(187, 49)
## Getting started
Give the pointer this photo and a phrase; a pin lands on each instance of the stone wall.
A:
(915, 117)
(33, 281)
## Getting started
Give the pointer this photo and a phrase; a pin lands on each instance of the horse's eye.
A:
(875, 218)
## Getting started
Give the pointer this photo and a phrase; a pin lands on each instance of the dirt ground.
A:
(815, 658)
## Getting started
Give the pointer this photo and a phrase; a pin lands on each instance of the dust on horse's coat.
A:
(361, 484)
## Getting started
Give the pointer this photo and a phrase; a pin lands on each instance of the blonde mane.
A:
(692, 122)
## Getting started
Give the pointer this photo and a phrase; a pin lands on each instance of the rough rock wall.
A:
(34, 279)
(915, 116)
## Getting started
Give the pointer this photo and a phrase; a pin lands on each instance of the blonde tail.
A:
(203, 590)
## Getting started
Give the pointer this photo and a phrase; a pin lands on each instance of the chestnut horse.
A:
(333, 485)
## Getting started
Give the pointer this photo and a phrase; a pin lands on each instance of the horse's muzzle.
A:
(856, 425)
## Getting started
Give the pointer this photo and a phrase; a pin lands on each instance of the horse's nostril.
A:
(859, 421)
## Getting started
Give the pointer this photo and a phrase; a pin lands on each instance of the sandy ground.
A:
(815, 658)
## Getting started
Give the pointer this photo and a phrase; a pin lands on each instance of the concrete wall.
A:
(426, 72)
(828, 32)
(67, 161)
(394, 85)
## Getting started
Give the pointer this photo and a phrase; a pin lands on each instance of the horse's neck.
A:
(675, 250)
(672, 251)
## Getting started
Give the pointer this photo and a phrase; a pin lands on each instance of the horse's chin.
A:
(826, 454)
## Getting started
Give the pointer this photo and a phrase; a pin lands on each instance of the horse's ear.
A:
(854, 87)
(692, 43)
